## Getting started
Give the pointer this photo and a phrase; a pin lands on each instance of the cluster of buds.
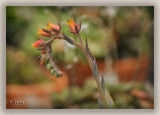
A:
(45, 47)
(53, 30)
(50, 30)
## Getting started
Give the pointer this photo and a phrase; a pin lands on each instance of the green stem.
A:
(102, 95)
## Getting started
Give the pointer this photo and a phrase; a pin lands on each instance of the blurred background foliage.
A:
(113, 33)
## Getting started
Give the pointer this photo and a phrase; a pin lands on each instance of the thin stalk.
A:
(102, 95)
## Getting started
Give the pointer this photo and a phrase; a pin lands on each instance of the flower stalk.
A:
(54, 30)
(92, 63)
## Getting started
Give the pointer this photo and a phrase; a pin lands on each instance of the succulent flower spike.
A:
(105, 100)
(43, 33)
(55, 29)
(73, 26)
(36, 44)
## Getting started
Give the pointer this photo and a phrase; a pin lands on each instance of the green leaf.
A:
(59, 73)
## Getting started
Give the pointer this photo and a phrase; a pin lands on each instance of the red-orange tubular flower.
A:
(43, 33)
(36, 44)
(73, 26)
(54, 29)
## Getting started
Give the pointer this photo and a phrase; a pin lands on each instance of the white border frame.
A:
(4, 3)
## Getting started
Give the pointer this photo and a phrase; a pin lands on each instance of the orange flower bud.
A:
(36, 44)
(72, 25)
(43, 33)
(55, 29)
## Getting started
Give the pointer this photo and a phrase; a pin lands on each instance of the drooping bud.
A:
(56, 74)
(59, 73)
(52, 72)
(48, 66)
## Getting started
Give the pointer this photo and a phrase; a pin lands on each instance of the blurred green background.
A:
(121, 39)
